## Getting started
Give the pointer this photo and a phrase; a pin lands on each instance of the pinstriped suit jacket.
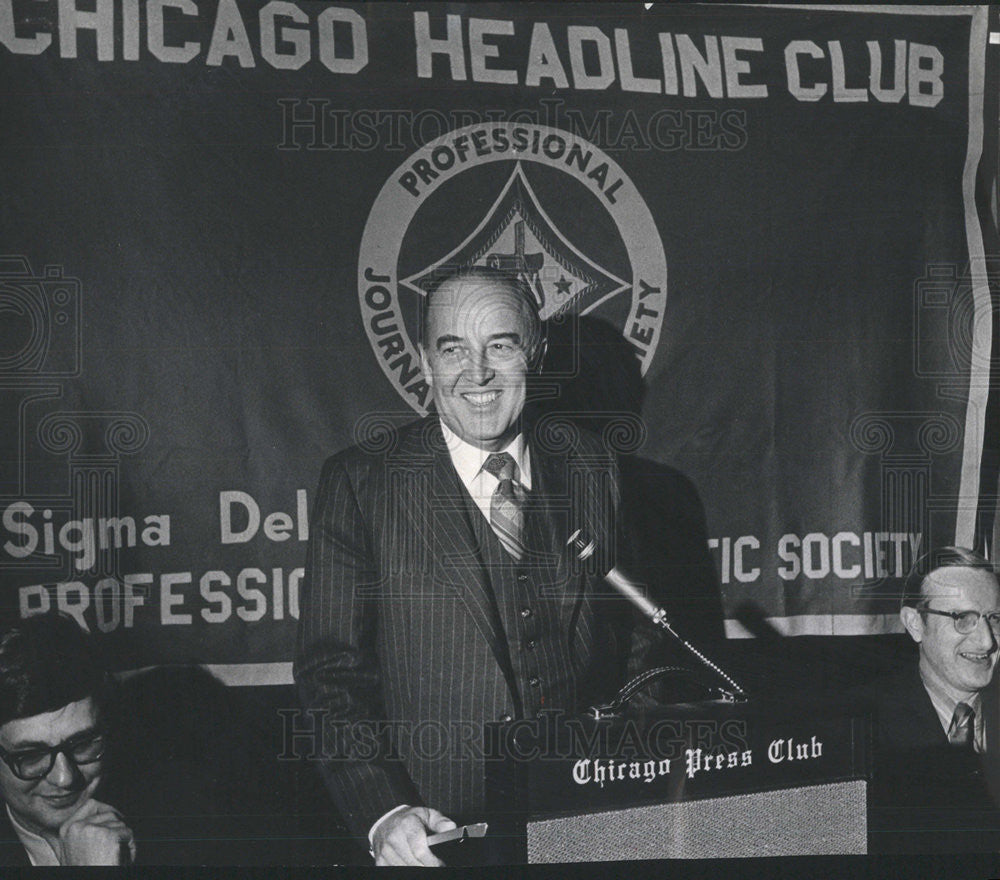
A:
(399, 629)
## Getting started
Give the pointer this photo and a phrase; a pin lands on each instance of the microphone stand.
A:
(658, 616)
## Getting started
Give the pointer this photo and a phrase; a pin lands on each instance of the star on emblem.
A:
(517, 235)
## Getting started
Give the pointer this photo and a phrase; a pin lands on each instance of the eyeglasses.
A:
(967, 621)
(37, 763)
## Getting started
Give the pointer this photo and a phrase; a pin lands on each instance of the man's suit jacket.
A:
(926, 795)
(399, 618)
(12, 852)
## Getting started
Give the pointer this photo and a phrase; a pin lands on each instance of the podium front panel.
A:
(808, 820)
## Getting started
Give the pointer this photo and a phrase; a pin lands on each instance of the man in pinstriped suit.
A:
(427, 611)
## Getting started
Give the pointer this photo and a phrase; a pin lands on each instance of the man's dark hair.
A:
(46, 662)
(939, 557)
(512, 281)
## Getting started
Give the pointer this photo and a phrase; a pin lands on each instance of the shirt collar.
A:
(944, 694)
(39, 850)
(469, 459)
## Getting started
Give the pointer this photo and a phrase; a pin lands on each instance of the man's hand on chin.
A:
(402, 838)
(96, 834)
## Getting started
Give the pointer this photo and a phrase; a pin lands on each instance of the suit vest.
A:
(532, 612)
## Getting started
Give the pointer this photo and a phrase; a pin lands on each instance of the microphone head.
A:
(585, 549)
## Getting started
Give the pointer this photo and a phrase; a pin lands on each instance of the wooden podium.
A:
(697, 781)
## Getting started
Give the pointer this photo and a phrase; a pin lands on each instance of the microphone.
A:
(636, 594)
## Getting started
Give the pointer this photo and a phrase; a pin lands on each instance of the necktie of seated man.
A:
(506, 512)
(961, 732)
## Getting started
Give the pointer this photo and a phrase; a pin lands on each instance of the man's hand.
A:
(402, 838)
(96, 834)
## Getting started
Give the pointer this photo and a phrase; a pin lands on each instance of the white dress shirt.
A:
(40, 852)
(469, 460)
(945, 699)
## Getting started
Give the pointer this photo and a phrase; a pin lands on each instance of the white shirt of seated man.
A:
(54, 813)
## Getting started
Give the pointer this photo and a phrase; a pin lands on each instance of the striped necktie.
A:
(506, 513)
(961, 733)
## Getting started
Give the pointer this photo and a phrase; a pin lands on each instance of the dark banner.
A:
(220, 218)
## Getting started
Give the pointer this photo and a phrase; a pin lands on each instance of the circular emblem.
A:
(535, 200)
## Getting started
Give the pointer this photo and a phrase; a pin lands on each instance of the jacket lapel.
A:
(440, 519)
(991, 716)
(548, 518)
(570, 495)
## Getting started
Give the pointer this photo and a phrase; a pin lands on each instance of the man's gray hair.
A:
(940, 557)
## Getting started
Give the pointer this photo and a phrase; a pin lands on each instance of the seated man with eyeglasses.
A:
(53, 750)
(936, 720)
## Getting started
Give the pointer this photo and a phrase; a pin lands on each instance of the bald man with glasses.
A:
(936, 720)
(53, 750)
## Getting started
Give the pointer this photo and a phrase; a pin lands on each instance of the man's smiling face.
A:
(43, 804)
(964, 663)
(479, 340)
